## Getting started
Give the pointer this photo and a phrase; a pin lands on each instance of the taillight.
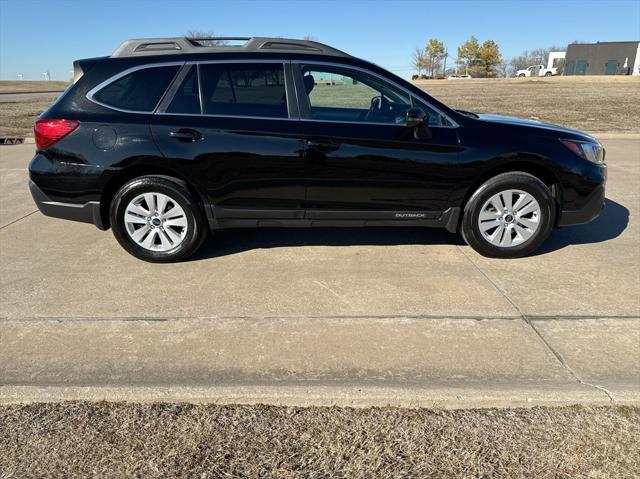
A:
(48, 132)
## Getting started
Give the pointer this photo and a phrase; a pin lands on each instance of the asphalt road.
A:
(322, 316)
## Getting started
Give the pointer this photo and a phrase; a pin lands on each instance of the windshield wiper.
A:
(468, 113)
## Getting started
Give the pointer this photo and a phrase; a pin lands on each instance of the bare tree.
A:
(198, 34)
(533, 57)
(502, 70)
(419, 60)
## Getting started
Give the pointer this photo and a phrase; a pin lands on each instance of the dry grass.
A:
(594, 104)
(27, 86)
(17, 117)
(181, 440)
(590, 103)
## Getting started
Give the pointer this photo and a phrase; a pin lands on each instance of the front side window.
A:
(140, 90)
(244, 90)
(336, 94)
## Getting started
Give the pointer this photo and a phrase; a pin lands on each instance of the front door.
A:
(228, 124)
(363, 162)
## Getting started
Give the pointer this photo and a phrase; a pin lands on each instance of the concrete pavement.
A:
(347, 316)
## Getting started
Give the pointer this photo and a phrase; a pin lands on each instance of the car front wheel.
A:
(509, 216)
(156, 219)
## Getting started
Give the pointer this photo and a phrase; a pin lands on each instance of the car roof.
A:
(142, 47)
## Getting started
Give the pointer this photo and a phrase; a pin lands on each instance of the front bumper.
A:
(84, 212)
(590, 211)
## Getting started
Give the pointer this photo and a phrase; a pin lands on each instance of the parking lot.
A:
(322, 316)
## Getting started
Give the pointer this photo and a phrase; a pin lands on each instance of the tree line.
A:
(474, 58)
(480, 60)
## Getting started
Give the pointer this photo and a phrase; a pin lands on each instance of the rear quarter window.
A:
(140, 90)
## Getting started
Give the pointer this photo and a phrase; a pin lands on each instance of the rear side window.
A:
(244, 90)
(140, 90)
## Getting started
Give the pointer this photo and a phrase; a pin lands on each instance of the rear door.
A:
(363, 162)
(234, 127)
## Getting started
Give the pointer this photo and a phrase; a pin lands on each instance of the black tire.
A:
(176, 190)
(518, 181)
(548, 74)
(522, 75)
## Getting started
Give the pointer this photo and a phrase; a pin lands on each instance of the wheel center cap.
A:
(156, 221)
(508, 218)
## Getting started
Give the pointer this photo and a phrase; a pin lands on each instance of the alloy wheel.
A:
(509, 218)
(156, 222)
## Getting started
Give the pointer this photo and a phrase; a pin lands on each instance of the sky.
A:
(36, 36)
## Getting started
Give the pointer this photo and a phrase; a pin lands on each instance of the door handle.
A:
(186, 134)
(322, 146)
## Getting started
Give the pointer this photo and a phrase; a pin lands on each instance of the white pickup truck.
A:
(542, 71)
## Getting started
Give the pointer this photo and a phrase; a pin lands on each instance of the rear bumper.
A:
(590, 211)
(84, 212)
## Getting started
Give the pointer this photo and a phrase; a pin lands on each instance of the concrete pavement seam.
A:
(564, 362)
(547, 344)
(419, 317)
(4, 319)
(15, 221)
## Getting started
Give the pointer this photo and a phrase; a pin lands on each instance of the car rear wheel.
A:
(156, 219)
(548, 74)
(509, 216)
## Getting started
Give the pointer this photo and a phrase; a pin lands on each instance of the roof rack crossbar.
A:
(186, 45)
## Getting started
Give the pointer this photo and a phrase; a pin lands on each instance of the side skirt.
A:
(448, 219)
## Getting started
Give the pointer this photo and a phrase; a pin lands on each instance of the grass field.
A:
(17, 117)
(590, 103)
(28, 86)
(180, 440)
(594, 104)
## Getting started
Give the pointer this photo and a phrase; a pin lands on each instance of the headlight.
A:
(587, 150)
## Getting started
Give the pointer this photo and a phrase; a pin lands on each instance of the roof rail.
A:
(186, 45)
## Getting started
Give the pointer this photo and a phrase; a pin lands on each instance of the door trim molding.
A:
(220, 218)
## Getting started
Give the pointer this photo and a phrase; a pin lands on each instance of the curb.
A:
(522, 394)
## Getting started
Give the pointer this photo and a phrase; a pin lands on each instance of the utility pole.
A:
(446, 54)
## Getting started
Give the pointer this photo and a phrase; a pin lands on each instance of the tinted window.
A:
(186, 99)
(244, 90)
(339, 95)
(140, 90)
(335, 94)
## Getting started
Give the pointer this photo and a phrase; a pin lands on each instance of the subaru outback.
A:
(169, 139)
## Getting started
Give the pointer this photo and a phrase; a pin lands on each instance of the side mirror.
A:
(415, 117)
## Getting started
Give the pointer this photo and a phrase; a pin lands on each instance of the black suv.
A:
(169, 138)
